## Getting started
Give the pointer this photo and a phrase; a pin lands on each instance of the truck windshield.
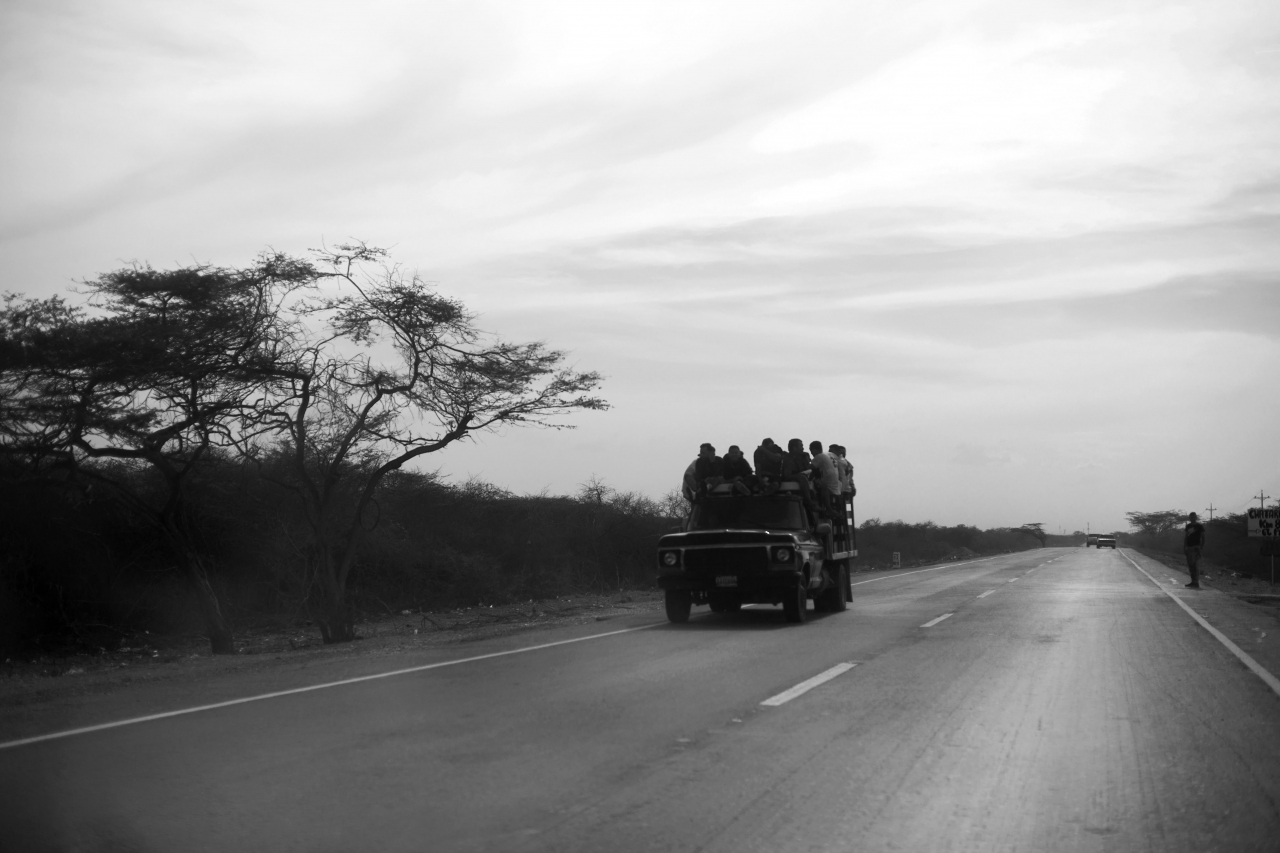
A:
(744, 512)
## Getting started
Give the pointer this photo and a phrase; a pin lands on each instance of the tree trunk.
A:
(336, 625)
(221, 640)
(336, 622)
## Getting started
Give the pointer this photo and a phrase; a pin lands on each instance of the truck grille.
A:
(716, 561)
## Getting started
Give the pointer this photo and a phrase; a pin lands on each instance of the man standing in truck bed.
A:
(826, 478)
(845, 467)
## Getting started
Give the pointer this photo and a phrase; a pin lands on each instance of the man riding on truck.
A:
(758, 538)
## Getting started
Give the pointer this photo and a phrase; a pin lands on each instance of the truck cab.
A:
(757, 549)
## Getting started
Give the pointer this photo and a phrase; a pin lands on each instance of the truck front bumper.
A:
(745, 585)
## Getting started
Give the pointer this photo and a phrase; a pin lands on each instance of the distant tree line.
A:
(80, 569)
(1227, 543)
(926, 542)
(324, 375)
(199, 448)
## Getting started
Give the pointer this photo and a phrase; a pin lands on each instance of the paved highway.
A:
(1054, 700)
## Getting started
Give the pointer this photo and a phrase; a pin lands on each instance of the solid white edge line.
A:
(324, 686)
(985, 594)
(933, 622)
(806, 686)
(1270, 680)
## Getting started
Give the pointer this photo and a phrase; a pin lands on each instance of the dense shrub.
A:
(926, 542)
(1227, 544)
(77, 568)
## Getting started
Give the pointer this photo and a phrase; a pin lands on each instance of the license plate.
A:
(727, 580)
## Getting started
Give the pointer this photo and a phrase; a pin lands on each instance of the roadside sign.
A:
(897, 559)
(1265, 522)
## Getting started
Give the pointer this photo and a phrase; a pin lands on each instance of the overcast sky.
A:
(1022, 258)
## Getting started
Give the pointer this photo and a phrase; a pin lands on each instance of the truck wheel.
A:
(831, 599)
(848, 585)
(795, 604)
(838, 602)
(679, 603)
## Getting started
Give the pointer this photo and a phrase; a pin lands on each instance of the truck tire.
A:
(848, 585)
(679, 603)
(831, 599)
(795, 605)
(839, 603)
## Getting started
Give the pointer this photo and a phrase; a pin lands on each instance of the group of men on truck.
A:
(825, 479)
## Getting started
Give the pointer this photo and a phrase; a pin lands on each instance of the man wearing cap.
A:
(1192, 542)
(768, 459)
(737, 470)
(708, 469)
(692, 476)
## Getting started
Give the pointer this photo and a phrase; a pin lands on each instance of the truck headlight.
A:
(782, 555)
(670, 558)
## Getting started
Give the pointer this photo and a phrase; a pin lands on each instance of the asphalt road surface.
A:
(1066, 702)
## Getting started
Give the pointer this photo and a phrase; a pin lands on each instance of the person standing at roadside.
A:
(1192, 542)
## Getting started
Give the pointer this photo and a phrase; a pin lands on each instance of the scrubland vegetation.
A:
(194, 449)
(928, 542)
(79, 571)
(1227, 543)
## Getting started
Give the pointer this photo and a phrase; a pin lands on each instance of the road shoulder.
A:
(123, 686)
(1254, 628)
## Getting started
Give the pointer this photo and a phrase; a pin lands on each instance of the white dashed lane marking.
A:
(933, 622)
(1011, 580)
(805, 686)
(985, 594)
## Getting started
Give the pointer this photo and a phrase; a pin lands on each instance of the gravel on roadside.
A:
(37, 678)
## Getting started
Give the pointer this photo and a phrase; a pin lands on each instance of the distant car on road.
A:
(1107, 542)
(1091, 540)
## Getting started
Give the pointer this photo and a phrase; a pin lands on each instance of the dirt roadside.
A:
(1259, 590)
(180, 670)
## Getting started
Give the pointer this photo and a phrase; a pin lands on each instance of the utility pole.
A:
(1209, 509)
(1262, 499)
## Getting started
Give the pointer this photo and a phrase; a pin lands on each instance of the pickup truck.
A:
(757, 549)
(1107, 542)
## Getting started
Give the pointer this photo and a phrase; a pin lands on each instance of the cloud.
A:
(935, 229)
(982, 457)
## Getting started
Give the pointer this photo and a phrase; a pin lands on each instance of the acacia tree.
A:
(164, 369)
(1156, 522)
(1033, 528)
(378, 372)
